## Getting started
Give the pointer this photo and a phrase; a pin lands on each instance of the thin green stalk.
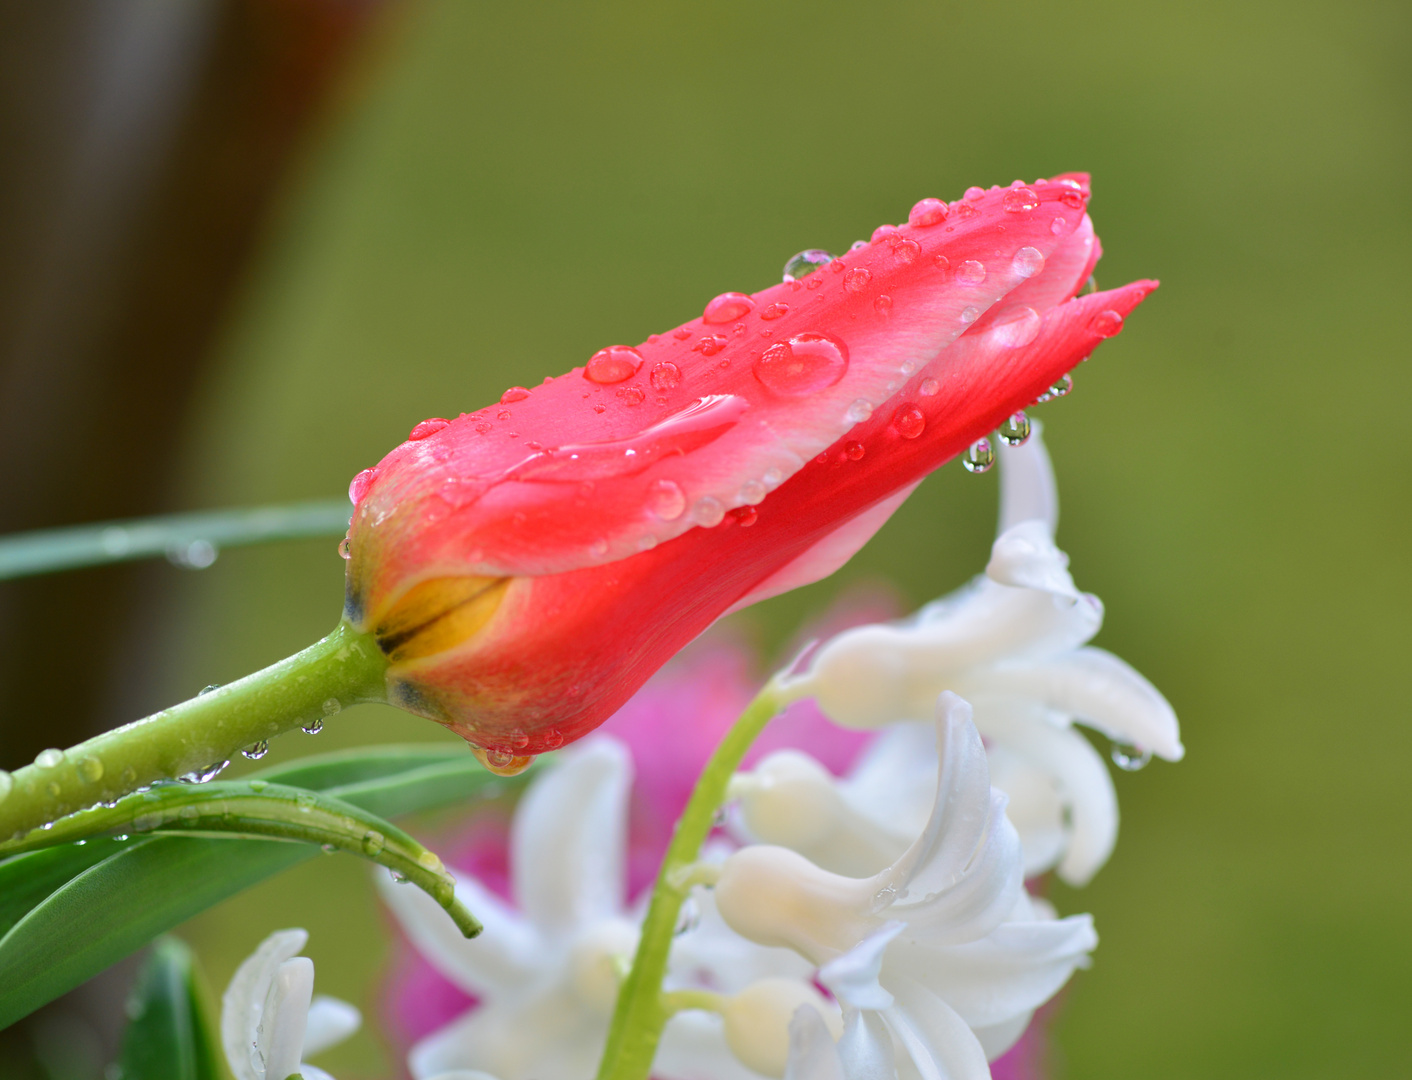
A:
(642, 1012)
(190, 739)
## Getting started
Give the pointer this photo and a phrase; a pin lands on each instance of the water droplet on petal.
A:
(428, 427)
(727, 308)
(666, 500)
(1028, 262)
(854, 451)
(681, 333)
(928, 212)
(345, 548)
(970, 313)
(257, 750)
(856, 280)
(710, 345)
(708, 511)
(884, 231)
(942, 263)
(980, 457)
(360, 484)
(515, 393)
(805, 263)
(665, 376)
(775, 311)
(803, 365)
(745, 516)
(1015, 430)
(1018, 200)
(929, 388)
(49, 759)
(883, 304)
(909, 421)
(1056, 226)
(1106, 323)
(751, 492)
(906, 251)
(600, 408)
(1130, 758)
(615, 364)
(970, 272)
(1015, 327)
(1073, 199)
(598, 548)
(633, 395)
(974, 193)
(552, 739)
(773, 477)
(859, 411)
(1090, 286)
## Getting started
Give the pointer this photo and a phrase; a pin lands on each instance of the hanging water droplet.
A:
(193, 555)
(726, 308)
(928, 212)
(1015, 430)
(1028, 262)
(708, 511)
(744, 516)
(430, 427)
(1020, 199)
(397, 876)
(1015, 327)
(666, 499)
(314, 726)
(980, 457)
(49, 759)
(929, 387)
(970, 272)
(90, 769)
(859, 411)
(552, 738)
(1090, 286)
(803, 365)
(857, 278)
(359, 485)
(345, 548)
(615, 364)
(805, 263)
(665, 376)
(202, 776)
(1064, 386)
(257, 750)
(1129, 758)
(1106, 323)
(909, 421)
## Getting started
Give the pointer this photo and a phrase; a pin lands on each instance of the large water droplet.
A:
(1106, 323)
(429, 427)
(970, 272)
(1020, 199)
(90, 769)
(257, 750)
(615, 364)
(726, 308)
(980, 457)
(928, 212)
(909, 421)
(1015, 327)
(1028, 262)
(358, 487)
(49, 759)
(514, 394)
(803, 365)
(710, 345)
(805, 263)
(708, 511)
(1015, 430)
(665, 376)
(1130, 758)
(857, 278)
(906, 251)
(666, 500)
(345, 548)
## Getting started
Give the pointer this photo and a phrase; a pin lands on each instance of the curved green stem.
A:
(343, 669)
(642, 1010)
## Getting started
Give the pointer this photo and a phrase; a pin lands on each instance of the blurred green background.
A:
(511, 187)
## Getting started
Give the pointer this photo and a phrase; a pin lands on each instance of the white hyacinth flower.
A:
(1013, 643)
(270, 1020)
(970, 957)
(547, 975)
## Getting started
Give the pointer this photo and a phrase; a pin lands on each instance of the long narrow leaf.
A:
(170, 1036)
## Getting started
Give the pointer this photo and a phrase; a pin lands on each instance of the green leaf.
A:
(171, 1036)
(106, 909)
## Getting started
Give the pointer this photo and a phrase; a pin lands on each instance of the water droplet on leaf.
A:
(49, 759)
(257, 750)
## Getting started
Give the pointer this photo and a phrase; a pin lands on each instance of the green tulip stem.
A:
(198, 736)
(643, 1010)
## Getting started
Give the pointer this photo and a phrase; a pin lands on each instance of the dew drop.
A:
(907, 367)
(708, 511)
(980, 457)
(813, 283)
(942, 263)
(666, 500)
(1064, 386)
(858, 245)
(970, 272)
(859, 411)
(358, 487)
(600, 408)
(688, 918)
(1028, 262)
(857, 278)
(598, 548)
(906, 251)
(194, 555)
(965, 212)
(552, 739)
(634, 395)
(258, 786)
(751, 492)
(773, 477)
(1015, 327)
(1020, 200)
(710, 345)
(615, 364)
(515, 393)
(727, 308)
(49, 759)
(314, 726)
(803, 365)
(883, 304)
(1072, 198)
(209, 689)
(775, 311)
(1129, 758)
(929, 388)
(429, 427)
(257, 750)
(854, 451)
(331, 706)
(53, 789)
(345, 548)
(90, 769)
(928, 212)
(909, 421)
(1090, 286)
(1106, 323)
(373, 842)
(1015, 430)
(973, 194)
(745, 516)
(681, 333)
(882, 232)
(970, 313)
(805, 263)
(1056, 226)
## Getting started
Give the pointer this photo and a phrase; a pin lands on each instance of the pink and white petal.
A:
(939, 1042)
(1028, 490)
(1095, 687)
(569, 838)
(507, 954)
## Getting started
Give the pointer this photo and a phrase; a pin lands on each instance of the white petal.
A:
(569, 836)
(866, 1047)
(544, 1036)
(459, 1074)
(330, 1022)
(812, 1053)
(1024, 557)
(714, 957)
(693, 1047)
(507, 954)
(894, 781)
(281, 1032)
(853, 977)
(1027, 487)
(1095, 687)
(244, 999)
(758, 1021)
(998, 1038)
(1036, 807)
(941, 1045)
(313, 1072)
